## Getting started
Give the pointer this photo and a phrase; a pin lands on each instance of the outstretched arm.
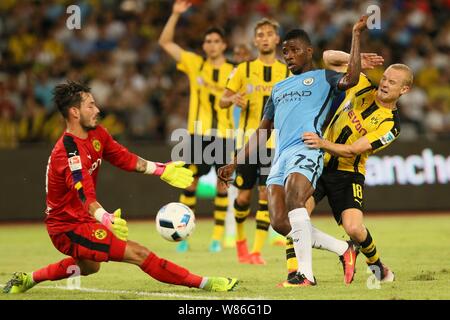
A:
(358, 147)
(173, 173)
(258, 139)
(338, 60)
(167, 35)
(141, 165)
(335, 57)
(351, 78)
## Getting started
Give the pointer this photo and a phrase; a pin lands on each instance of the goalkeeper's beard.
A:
(88, 125)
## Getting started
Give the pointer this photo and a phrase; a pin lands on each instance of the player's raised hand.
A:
(175, 174)
(224, 173)
(181, 6)
(371, 60)
(312, 140)
(361, 25)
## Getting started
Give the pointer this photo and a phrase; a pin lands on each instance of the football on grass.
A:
(175, 221)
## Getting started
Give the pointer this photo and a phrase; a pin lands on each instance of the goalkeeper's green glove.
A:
(173, 173)
(113, 222)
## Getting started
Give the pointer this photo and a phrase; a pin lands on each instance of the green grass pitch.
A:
(416, 248)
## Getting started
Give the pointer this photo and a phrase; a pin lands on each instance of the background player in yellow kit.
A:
(249, 88)
(207, 123)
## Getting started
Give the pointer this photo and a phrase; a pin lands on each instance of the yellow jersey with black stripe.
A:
(255, 79)
(207, 84)
(359, 115)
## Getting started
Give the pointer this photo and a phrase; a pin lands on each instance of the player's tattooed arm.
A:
(173, 173)
(351, 78)
(141, 165)
(93, 206)
(148, 167)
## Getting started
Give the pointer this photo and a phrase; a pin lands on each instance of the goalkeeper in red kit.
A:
(77, 224)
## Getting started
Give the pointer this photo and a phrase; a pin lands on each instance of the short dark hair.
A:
(298, 34)
(217, 30)
(68, 94)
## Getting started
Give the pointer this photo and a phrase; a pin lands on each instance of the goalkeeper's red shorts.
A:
(90, 241)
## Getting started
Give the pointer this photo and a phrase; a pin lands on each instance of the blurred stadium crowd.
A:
(142, 95)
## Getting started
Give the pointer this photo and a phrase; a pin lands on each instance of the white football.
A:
(175, 221)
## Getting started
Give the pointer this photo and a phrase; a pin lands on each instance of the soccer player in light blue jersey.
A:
(297, 105)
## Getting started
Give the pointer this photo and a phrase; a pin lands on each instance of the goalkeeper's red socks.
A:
(160, 269)
(55, 271)
(168, 272)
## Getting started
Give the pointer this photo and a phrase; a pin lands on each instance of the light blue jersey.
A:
(297, 105)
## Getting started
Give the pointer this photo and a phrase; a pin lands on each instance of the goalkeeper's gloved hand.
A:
(114, 222)
(174, 174)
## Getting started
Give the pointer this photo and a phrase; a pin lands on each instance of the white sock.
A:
(32, 277)
(301, 236)
(203, 283)
(230, 221)
(321, 240)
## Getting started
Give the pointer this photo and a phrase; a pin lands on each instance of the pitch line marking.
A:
(148, 294)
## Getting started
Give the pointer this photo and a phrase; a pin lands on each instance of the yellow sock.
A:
(220, 211)
(188, 198)
(291, 259)
(240, 214)
(262, 226)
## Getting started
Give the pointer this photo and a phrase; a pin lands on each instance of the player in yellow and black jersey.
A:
(366, 122)
(249, 87)
(207, 122)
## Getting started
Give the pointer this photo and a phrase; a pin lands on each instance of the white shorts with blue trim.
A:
(300, 159)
